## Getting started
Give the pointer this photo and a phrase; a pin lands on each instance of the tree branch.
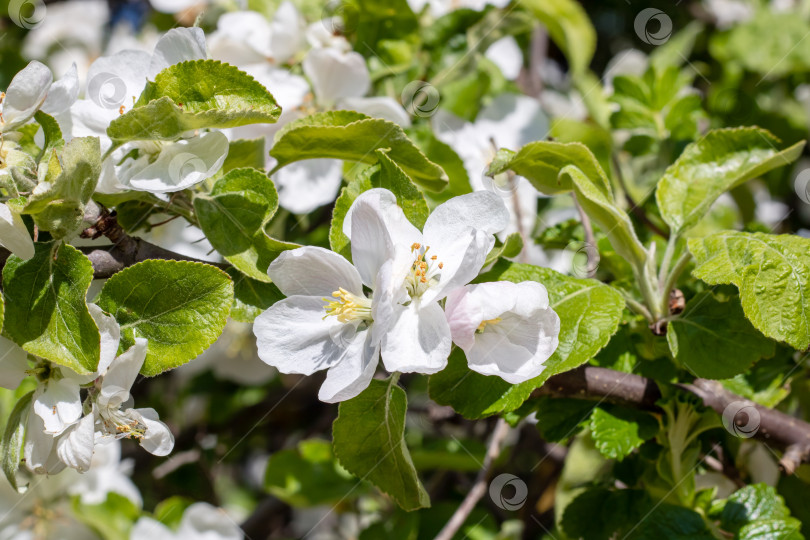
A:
(480, 487)
(778, 429)
(124, 251)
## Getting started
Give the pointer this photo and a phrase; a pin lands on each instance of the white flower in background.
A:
(505, 329)
(179, 6)
(107, 474)
(247, 37)
(438, 8)
(628, 62)
(201, 521)
(33, 89)
(728, 13)
(14, 235)
(113, 85)
(506, 54)
(329, 322)
(510, 121)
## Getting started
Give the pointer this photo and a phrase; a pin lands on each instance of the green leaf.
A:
(554, 167)
(244, 153)
(181, 307)
(617, 431)
(46, 310)
(772, 529)
(611, 513)
(13, 438)
(569, 27)
(669, 522)
(352, 136)
(309, 476)
(511, 247)
(589, 314)
(772, 273)
(752, 503)
(714, 340)
(57, 203)
(193, 95)
(559, 419)
(111, 519)
(51, 132)
(251, 297)
(718, 162)
(369, 443)
(387, 175)
(233, 217)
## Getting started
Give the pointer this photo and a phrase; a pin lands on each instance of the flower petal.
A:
(177, 45)
(335, 74)
(378, 107)
(460, 233)
(62, 93)
(116, 80)
(201, 520)
(13, 364)
(14, 235)
(110, 337)
(294, 336)
(313, 271)
(58, 403)
(75, 446)
(179, 165)
(158, 439)
(121, 375)
(25, 94)
(419, 341)
(506, 54)
(305, 185)
(39, 448)
(379, 231)
(147, 528)
(352, 374)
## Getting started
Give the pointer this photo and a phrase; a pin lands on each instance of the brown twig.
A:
(780, 430)
(480, 486)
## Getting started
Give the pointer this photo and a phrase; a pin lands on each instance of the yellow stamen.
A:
(348, 307)
(484, 324)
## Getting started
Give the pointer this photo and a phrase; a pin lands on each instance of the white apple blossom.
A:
(33, 89)
(329, 322)
(200, 521)
(506, 54)
(505, 329)
(438, 8)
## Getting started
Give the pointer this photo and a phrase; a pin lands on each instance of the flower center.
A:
(425, 271)
(484, 324)
(348, 307)
(122, 425)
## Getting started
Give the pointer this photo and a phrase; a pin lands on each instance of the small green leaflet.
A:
(57, 204)
(772, 273)
(13, 438)
(589, 314)
(352, 136)
(181, 307)
(193, 95)
(721, 160)
(368, 439)
(617, 431)
(46, 311)
(714, 340)
(233, 217)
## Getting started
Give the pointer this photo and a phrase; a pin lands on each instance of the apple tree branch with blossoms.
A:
(422, 269)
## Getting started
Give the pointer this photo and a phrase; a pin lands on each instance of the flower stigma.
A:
(425, 271)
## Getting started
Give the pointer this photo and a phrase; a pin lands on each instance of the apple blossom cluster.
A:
(343, 316)
(65, 427)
